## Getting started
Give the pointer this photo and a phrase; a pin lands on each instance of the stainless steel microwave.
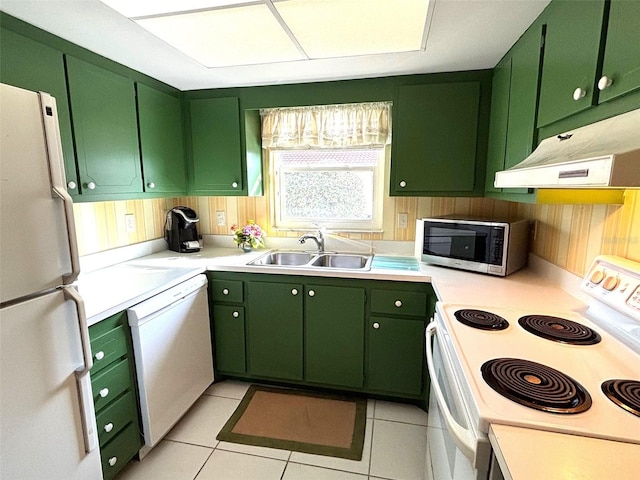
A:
(474, 244)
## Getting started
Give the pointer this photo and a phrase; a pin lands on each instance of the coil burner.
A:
(535, 385)
(481, 319)
(559, 329)
(624, 393)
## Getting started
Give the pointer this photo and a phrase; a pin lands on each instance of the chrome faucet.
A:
(319, 239)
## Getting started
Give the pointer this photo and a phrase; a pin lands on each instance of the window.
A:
(339, 189)
(327, 165)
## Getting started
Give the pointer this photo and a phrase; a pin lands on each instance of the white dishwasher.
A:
(174, 363)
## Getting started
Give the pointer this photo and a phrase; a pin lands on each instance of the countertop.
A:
(109, 290)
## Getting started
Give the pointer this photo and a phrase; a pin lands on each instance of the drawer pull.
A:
(113, 461)
(294, 291)
(225, 291)
(104, 392)
(398, 303)
(99, 355)
(235, 314)
(312, 293)
(579, 93)
(108, 427)
(376, 325)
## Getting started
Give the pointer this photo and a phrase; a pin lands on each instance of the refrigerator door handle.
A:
(82, 374)
(49, 111)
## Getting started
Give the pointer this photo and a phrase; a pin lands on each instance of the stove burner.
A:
(535, 385)
(559, 330)
(624, 393)
(481, 319)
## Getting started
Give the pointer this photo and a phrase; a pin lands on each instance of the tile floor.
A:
(394, 447)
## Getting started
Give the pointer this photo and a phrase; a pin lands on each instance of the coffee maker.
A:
(180, 230)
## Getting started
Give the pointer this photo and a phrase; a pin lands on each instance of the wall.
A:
(566, 235)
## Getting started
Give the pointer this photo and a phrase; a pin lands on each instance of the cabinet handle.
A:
(104, 392)
(113, 461)
(397, 303)
(604, 82)
(108, 427)
(151, 185)
(312, 293)
(376, 325)
(579, 93)
(235, 314)
(72, 185)
(90, 185)
(403, 184)
(99, 355)
(294, 291)
(225, 291)
(234, 185)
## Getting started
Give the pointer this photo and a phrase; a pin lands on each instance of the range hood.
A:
(600, 155)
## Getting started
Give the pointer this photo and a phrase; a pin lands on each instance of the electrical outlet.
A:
(129, 223)
(403, 220)
(220, 220)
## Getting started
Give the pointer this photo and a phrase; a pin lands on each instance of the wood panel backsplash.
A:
(566, 235)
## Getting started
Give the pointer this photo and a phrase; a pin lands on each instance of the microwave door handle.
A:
(462, 437)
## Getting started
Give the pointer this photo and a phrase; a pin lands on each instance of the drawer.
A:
(110, 382)
(398, 302)
(122, 448)
(116, 416)
(227, 291)
(108, 347)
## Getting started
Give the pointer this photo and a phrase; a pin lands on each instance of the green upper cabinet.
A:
(434, 139)
(334, 335)
(161, 141)
(103, 110)
(621, 67)
(496, 152)
(572, 47)
(34, 66)
(217, 167)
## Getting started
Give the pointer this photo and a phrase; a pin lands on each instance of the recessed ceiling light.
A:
(145, 8)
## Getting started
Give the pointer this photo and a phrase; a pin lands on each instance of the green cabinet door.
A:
(34, 66)
(274, 329)
(103, 110)
(434, 140)
(572, 46)
(229, 339)
(334, 335)
(622, 50)
(161, 141)
(395, 355)
(216, 147)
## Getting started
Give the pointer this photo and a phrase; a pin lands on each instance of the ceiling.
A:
(197, 44)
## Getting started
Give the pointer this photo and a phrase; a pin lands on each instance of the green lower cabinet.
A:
(395, 355)
(229, 339)
(274, 329)
(334, 335)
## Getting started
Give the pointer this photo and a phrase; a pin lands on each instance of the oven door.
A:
(455, 450)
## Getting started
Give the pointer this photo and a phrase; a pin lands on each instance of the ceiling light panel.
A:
(144, 8)
(244, 35)
(339, 28)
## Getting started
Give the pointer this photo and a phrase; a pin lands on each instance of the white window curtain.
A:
(327, 126)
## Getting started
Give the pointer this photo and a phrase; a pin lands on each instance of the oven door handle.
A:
(463, 438)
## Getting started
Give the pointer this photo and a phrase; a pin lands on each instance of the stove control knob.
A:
(611, 283)
(596, 277)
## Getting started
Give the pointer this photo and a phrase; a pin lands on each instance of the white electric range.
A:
(559, 371)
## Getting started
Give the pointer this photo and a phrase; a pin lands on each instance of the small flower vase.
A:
(246, 247)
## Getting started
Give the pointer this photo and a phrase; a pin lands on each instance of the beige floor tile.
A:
(237, 466)
(398, 450)
(168, 461)
(203, 422)
(400, 412)
(296, 471)
(229, 389)
(353, 466)
(371, 406)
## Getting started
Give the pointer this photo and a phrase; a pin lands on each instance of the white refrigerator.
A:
(47, 420)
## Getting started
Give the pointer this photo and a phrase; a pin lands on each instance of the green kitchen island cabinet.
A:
(274, 329)
(161, 141)
(435, 139)
(105, 129)
(228, 330)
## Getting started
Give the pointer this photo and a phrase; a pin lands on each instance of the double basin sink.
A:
(343, 261)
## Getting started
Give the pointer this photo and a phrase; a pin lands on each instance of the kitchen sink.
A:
(345, 261)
